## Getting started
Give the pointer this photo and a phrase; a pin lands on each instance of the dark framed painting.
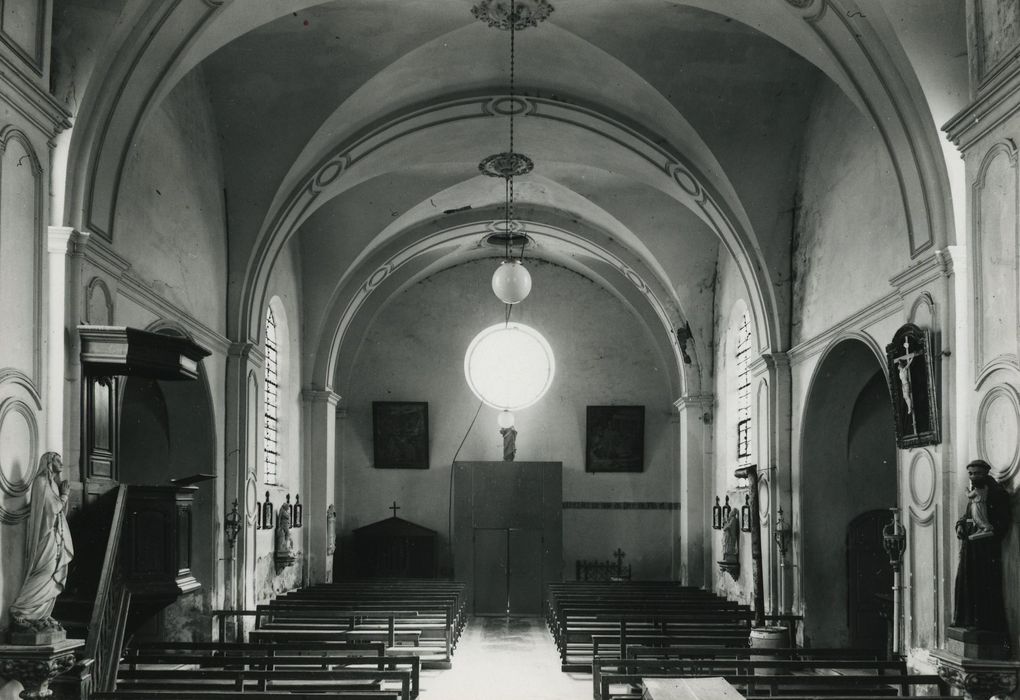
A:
(615, 439)
(400, 434)
(914, 386)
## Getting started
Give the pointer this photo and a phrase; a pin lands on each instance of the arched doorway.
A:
(167, 432)
(848, 474)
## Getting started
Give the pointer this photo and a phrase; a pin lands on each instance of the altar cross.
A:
(619, 554)
(394, 508)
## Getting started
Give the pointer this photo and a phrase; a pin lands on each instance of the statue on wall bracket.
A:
(913, 372)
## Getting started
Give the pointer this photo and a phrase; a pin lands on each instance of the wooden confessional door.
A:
(508, 533)
(870, 580)
(508, 571)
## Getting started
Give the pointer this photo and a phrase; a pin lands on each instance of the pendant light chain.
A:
(513, 106)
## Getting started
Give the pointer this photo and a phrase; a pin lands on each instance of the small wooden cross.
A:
(619, 554)
(394, 508)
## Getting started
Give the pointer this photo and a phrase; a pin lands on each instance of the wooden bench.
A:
(738, 664)
(178, 694)
(258, 680)
(755, 686)
(324, 660)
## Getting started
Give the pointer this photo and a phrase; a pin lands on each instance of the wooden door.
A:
(869, 580)
(490, 571)
(524, 578)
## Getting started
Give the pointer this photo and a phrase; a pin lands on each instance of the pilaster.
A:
(242, 446)
(320, 476)
(694, 438)
(56, 298)
(779, 468)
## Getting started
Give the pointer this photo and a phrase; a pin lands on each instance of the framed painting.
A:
(400, 434)
(615, 439)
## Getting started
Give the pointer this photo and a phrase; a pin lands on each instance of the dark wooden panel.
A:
(525, 554)
(490, 572)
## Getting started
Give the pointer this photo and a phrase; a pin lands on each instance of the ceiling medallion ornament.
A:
(519, 14)
(506, 165)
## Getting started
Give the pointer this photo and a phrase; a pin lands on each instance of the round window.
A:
(509, 366)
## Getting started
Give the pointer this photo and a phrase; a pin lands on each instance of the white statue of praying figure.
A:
(48, 547)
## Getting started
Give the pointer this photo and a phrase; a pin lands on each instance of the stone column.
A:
(695, 438)
(780, 422)
(241, 465)
(56, 298)
(320, 476)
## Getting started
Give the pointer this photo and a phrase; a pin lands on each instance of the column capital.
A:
(776, 360)
(57, 238)
(247, 352)
(320, 395)
(701, 401)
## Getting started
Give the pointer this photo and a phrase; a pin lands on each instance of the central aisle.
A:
(500, 659)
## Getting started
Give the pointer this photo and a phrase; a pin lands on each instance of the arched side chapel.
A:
(833, 169)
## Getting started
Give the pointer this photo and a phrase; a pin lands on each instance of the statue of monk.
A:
(49, 550)
(979, 602)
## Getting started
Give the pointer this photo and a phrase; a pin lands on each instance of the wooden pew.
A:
(280, 659)
(178, 694)
(258, 680)
(755, 686)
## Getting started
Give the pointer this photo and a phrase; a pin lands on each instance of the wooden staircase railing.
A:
(109, 616)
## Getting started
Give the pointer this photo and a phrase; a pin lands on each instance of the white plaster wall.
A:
(730, 302)
(414, 351)
(170, 218)
(850, 231)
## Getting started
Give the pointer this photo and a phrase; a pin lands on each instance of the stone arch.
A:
(848, 467)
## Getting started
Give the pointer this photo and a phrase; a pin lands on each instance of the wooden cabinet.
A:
(395, 548)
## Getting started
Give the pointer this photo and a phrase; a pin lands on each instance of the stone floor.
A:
(500, 659)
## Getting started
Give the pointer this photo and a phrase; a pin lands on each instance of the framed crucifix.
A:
(913, 385)
(400, 434)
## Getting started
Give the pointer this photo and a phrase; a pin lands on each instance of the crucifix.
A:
(394, 508)
(619, 554)
(903, 366)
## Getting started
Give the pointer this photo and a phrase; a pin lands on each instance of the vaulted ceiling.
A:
(664, 134)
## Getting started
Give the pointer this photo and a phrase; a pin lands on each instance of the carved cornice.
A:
(988, 111)
(925, 271)
(101, 254)
(872, 313)
(138, 291)
(22, 93)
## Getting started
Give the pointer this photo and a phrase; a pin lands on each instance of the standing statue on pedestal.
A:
(730, 562)
(49, 551)
(509, 443)
(979, 604)
(284, 544)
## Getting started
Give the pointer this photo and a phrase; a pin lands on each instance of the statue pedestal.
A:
(979, 679)
(35, 666)
(973, 643)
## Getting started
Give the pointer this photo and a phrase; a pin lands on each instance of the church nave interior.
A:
(346, 327)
